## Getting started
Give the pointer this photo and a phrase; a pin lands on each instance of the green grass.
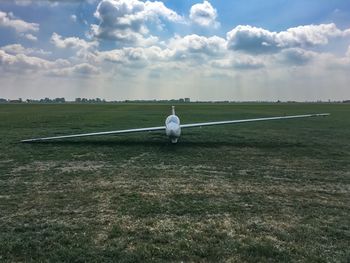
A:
(260, 192)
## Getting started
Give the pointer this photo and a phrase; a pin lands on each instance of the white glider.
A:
(173, 127)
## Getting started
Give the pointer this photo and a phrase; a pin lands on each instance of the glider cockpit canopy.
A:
(172, 119)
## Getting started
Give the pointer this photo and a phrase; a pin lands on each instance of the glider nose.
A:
(173, 130)
(172, 133)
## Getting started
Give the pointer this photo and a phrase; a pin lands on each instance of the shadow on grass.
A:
(212, 143)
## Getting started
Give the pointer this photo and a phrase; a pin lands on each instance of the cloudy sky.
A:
(205, 50)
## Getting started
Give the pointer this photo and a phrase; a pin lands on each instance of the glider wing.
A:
(96, 134)
(251, 120)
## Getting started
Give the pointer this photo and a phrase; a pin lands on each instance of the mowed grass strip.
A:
(259, 192)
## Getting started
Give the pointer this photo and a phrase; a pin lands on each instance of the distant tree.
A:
(46, 100)
(59, 100)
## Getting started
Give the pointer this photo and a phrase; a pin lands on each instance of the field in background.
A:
(259, 192)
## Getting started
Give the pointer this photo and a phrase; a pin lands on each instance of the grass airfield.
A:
(275, 191)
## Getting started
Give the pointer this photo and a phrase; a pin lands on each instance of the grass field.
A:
(260, 192)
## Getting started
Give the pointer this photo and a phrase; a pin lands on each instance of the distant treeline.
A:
(181, 100)
(85, 100)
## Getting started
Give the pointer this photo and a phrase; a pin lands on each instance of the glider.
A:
(173, 127)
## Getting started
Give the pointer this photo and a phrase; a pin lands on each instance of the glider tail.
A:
(173, 110)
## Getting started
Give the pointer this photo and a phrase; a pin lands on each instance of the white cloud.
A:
(239, 63)
(73, 18)
(115, 56)
(348, 52)
(22, 62)
(123, 37)
(14, 49)
(8, 20)
(190, 48)
(191, 45)
(296, 56)
(126, 21)
(30, 37)
(83, 69)
(204, 14)
(251, 39)
(134, 57)
(155, 10)
(19, 49)
(333, 62)
(309, 35)
(23, 2)
(71, 42)
(52, 3)
(258, 40)
(17, 59)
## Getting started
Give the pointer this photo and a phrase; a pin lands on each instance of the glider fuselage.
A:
(172, 128)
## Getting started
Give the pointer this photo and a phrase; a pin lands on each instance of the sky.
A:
(241, 50)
